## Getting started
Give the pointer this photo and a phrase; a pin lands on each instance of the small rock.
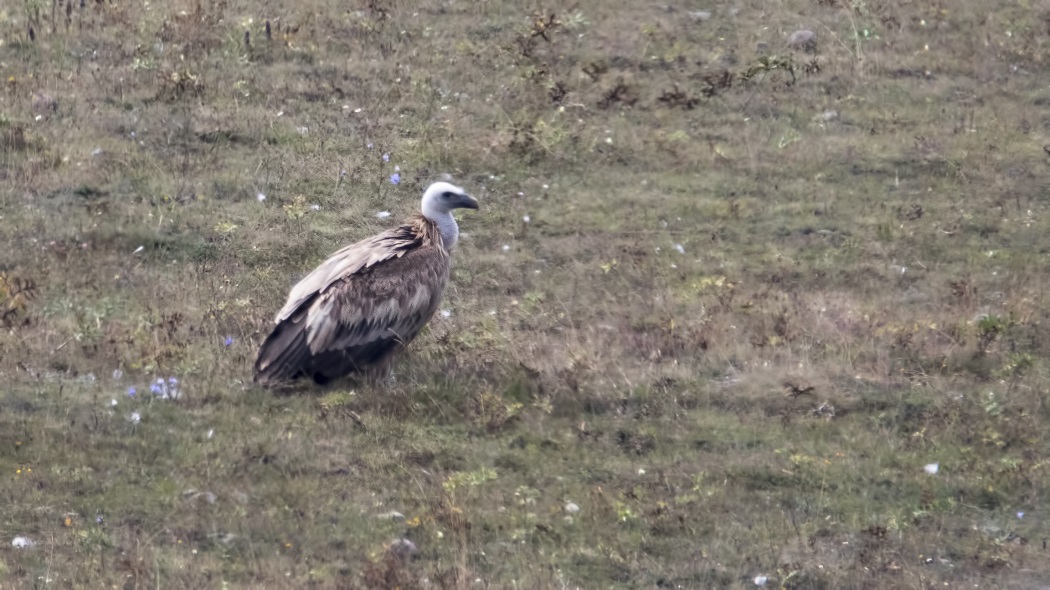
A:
(572, 507)
(226, 538)
(825, 410)
(193, 494)
(829, 115)
(392, 515)
(44, 103)
(803, 40)
(21, 542)
(699, 15)
(402, 549)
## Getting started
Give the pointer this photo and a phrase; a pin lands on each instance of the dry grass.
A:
(759, 289)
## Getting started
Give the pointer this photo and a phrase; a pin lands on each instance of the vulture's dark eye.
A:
(447, 195)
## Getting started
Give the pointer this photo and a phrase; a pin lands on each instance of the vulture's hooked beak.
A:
(466, 201)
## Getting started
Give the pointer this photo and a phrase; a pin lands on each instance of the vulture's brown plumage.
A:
(366, 301)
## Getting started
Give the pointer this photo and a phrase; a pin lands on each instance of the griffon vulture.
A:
(368, 300)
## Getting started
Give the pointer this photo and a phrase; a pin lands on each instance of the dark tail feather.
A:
(283, 354)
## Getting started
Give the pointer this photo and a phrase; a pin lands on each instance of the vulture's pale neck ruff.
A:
(438, 202)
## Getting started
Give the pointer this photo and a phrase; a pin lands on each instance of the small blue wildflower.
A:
(131, 391)
(1020, 515)
(98, 519)
(395, 178)
(166, 389)
(386, 157)
(228, 341)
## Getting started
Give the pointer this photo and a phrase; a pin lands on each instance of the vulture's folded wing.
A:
(358, 305)
(350, 260)
(381, 306)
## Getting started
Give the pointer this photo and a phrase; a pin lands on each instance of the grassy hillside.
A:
(737, 308)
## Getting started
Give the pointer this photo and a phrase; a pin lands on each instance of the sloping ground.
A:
(734, 311)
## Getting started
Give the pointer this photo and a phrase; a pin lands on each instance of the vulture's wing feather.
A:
(366, 316)
(358, 306)
(350, 260)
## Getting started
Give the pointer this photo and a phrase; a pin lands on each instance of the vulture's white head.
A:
(438, 202)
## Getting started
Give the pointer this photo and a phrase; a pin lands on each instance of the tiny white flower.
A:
(572, 507)
(545, 187)
(932, 468)
(260, 197)
(608, 140)
(520, 194)
(211, 433)
(280, 113)
(397, 168)
(761, 580)
(315, 207)
(112, 402)
(117, 374)
(357, 110)
(1020, 515)
(526, 219)
(302, 130)
(506, 248)
(38, 117)
(446, 313)
(680, 248)
(383, 214)
(641, 471)
(135, 418)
